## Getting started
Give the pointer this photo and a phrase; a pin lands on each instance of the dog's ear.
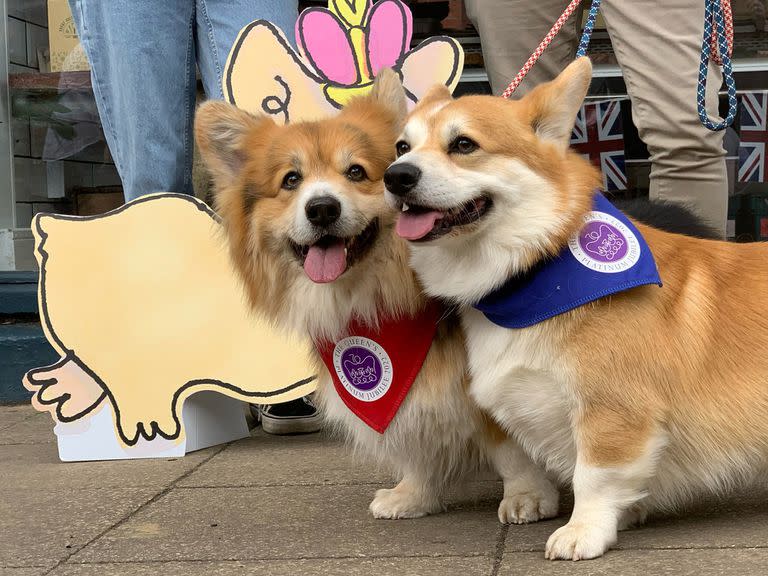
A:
(388, 92)
(438, 93)
(224, 135)
(551, 108)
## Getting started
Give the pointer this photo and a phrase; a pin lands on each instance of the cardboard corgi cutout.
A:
(145, 310)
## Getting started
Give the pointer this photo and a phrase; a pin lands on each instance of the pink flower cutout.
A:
(349, 42)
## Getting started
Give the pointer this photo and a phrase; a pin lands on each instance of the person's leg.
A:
(510, 30)
(658, 45)
(142, 59)
(218, 24)
(220, 21)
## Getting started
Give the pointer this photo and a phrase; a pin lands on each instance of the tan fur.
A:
(438, 434)
(659, 394)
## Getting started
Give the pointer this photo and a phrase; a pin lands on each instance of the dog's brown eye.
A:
(356, 173)
(402, 147)
(463, 145)
(291, 180)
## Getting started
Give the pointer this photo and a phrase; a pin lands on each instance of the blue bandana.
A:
(607, 255)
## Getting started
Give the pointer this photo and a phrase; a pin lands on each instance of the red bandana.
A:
(373, 370)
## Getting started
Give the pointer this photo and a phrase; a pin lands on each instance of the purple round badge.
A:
(361, 367)
(603, 242)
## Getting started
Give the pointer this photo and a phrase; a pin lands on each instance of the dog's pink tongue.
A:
(325, 263)
(412, 226)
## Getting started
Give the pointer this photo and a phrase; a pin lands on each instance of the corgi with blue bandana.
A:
(628, 361)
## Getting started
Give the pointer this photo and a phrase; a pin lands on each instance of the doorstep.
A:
(22, 346)
(22, 342)
(18, 293)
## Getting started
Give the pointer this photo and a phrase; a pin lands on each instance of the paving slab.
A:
(10, 415)
(717, 562)
(38, 466)
(265, 523)
(23, 571)
(37, 428)
(266, 460)
(740, 520)
(41, 526)
(315, 567)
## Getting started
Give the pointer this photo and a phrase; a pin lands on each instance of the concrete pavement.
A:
(298, 506)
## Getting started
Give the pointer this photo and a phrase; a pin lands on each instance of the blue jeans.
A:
(143, 55)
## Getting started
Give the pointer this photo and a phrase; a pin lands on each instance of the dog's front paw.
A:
(531, 506)
(579, 541)
(398, 503)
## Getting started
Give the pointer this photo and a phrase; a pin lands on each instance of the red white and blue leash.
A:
(717, 45)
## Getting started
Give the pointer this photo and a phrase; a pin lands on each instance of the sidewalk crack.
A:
(499, 554)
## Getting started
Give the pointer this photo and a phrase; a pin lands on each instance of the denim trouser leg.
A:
(220, 21)
(143, 55)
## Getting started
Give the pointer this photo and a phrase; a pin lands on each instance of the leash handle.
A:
(718, 32)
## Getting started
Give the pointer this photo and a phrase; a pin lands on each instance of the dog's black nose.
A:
(401, 178)
(323, 210)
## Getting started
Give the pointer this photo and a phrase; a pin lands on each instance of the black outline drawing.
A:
(405, 45)
(311, 75)
(282, 104)
(456, 58)
(70, 355)
(351, 5)
(301, 43)
(278, 34)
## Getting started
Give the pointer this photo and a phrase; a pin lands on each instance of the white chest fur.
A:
(517, 377)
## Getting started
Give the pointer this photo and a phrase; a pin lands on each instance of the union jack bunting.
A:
(599, 136)
(754, 135)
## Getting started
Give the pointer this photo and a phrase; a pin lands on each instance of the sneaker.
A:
(294, 417)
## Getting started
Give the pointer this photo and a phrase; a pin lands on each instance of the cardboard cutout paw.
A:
(64, 389)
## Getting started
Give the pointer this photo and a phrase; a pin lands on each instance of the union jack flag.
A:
(754, 135)
(599, 136)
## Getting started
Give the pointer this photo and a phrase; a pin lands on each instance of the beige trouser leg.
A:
(658, 46)
(511, 29)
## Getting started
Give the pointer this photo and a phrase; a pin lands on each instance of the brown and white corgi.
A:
(643, 399)
(312, 237)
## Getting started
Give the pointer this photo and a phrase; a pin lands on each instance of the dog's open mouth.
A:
(418, 223)
(329, 257)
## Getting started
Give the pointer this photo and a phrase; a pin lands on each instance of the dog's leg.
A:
(528, 493)
(634, 515)
(615, 459)
(415, 496)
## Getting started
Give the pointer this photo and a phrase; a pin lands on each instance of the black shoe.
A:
(294, 417)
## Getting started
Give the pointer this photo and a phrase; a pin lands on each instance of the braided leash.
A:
(728, 15)
(540, 49)
(717, 46)
(589, 27)
(718, 33)
(585, 37)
